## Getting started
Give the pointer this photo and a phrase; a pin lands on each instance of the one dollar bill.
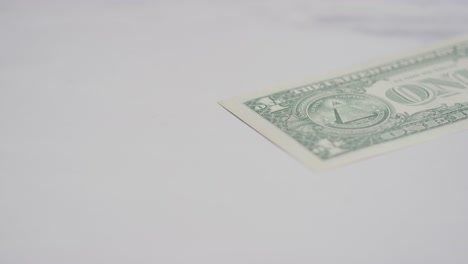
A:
(367, 110)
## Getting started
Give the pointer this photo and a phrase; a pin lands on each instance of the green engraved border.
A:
(363, 79)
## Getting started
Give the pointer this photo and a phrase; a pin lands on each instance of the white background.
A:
(113, 148)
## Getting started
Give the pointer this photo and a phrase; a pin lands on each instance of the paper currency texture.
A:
(366, 110)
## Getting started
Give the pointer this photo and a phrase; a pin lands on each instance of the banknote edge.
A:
(236, 106)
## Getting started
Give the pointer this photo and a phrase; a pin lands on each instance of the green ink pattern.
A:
(336, 116)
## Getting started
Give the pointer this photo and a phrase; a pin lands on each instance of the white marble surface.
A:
(114, 150)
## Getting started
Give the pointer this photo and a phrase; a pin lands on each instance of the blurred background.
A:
(113, 148)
